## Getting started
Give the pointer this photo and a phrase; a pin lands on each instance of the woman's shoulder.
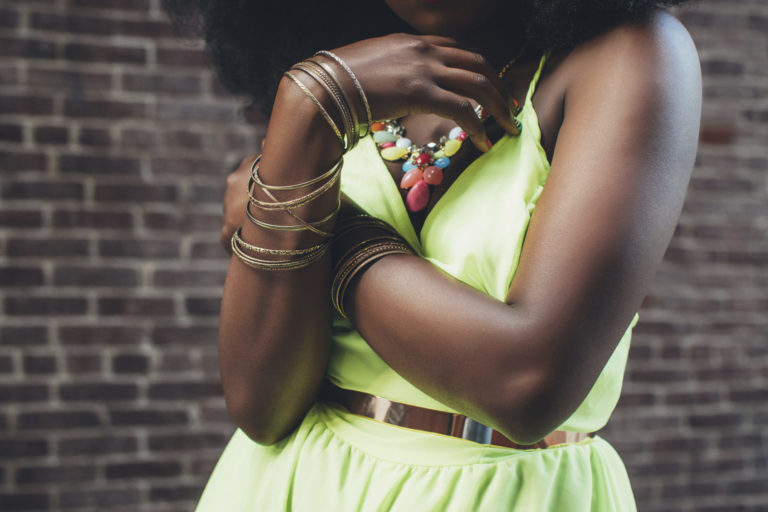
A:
(653, 50)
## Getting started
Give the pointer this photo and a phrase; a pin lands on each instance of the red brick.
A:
(42, 190)
(24, 393)
(56, 420)
(70, 80)
(18, 448)
(103, 445)
(136, 417)
(18, 501)
(142, 470)
(26, 105)
(99, 219)
(21, 276)
(51, 134)
(102, 53)
(165, 494)
(188, 278)
(70, 23)
(208, 251)
(23, 336)
(181, 390)
(23, 247)
(185, 221)
(94, 137)
(143, 193)
(14, 161)
(97, 392)
(9, 18)
(95, 277)
(11, 133)
(100, 334)
(135, 306)
(195, 58)
(203, 306)
(184, 442)
(27, 48)
(45, 306)
(193, 335)
(36, 365)
(82, 364)
(163, 83)
(104, 109)
(146, 28)
(126, 248)
(35, 475)
(130, 363)
(91, 164)
(128, 5)
(21, 218)
(99, 499)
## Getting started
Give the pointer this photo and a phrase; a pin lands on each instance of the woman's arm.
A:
(275, 326)
(616, 187)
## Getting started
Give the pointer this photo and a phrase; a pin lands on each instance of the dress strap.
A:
(536, 76)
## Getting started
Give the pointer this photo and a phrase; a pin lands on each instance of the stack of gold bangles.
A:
(358, 240)
(380, 240)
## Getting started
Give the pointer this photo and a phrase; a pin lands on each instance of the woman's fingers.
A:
(482, 84)
(479, 88)
(454, 106)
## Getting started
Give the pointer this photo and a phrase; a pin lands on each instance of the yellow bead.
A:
(451, 147)
(393, 153)
(439, 154)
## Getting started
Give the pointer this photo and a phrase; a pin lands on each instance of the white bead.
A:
(404, 142)
(455, 132)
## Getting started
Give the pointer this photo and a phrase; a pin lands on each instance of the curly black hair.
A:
(251, 43)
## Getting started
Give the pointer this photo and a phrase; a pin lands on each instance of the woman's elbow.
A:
(531, 408)
(256, 420)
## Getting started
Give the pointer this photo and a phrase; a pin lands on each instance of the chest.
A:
(422, 129)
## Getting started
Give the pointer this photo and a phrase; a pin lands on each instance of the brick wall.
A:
(114, 141)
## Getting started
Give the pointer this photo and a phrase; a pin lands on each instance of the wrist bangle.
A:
(358, 86)
(320, 107)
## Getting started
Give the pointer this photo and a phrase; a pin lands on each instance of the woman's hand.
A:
(404, 74)
(235, 201)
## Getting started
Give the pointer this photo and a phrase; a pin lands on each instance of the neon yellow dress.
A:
(337, 462)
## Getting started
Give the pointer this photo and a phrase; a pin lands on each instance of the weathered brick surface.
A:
(114, 142)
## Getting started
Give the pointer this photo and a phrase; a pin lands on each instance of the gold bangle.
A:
(336, 168)
(320, 107)
(319, 74)
(276, 252)
(291, 203)
(335, 77)
(356, 263)
(275, 265)
(347, 225)
(358, 86)
(303, 224)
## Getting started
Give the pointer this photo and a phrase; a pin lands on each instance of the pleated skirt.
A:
(337, 462)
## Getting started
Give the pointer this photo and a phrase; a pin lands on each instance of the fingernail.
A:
(490, 144)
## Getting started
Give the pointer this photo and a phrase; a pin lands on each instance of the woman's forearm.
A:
(275, 325)
(498, 363)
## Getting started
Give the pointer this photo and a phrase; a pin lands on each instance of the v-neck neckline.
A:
(392, 190)
(401, 212)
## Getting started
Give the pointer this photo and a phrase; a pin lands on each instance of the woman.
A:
(595, 110)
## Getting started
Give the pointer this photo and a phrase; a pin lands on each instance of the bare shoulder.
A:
(656, 53)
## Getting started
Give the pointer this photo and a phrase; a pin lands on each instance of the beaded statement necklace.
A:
(423, 165)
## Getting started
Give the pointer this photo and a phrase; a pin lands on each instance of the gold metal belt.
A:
(441, 422)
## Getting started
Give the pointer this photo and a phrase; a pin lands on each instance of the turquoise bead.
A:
(442, 162)
(408, 165)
